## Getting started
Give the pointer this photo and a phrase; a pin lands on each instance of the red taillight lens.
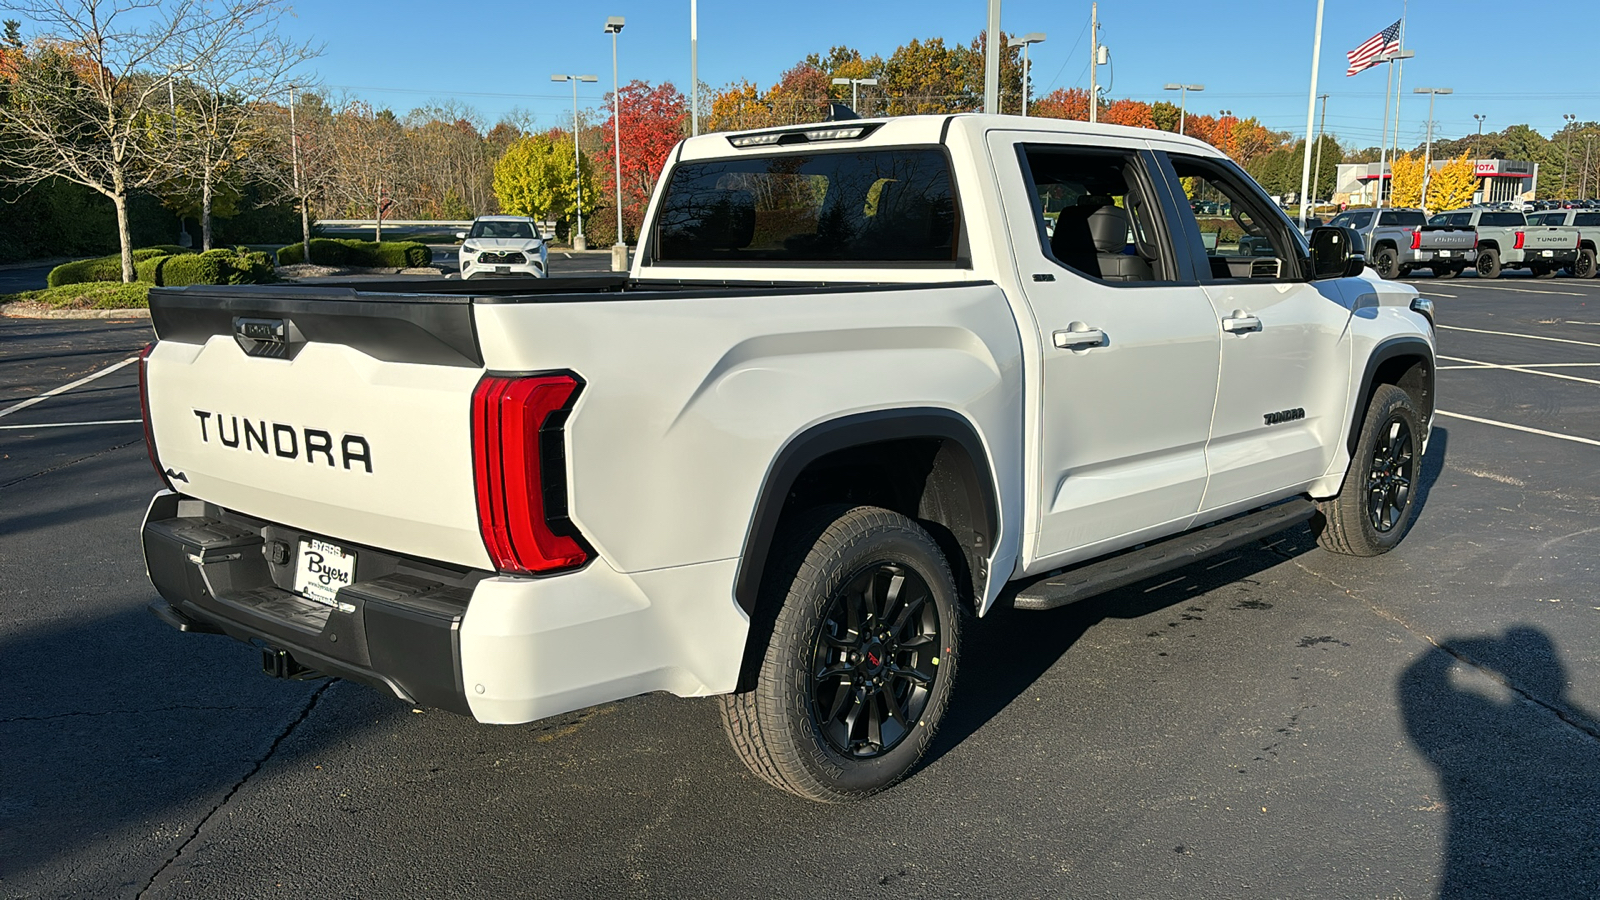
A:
(144, 413)
(1416, 240)
(519, 468)
(1519, 240)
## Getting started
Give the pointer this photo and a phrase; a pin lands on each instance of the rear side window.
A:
(1461, 219)
(1540, 220)
(865, 206)
(1359, 220)
(1400, 218)
(1588, 219)
(1502, 219)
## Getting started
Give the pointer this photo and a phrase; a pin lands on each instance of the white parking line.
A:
(1437, 293)
(1492, 287)
(1538, 431)
(72, 424)
(1531, 337)
(15, 407)
(1523, 366)
(1479, 364)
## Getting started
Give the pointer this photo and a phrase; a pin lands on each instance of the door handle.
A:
(1240, 323)
(1079, 336)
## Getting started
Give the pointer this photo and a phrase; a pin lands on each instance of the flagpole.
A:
(1399, 83)
(1311, 112)
(1383, 137)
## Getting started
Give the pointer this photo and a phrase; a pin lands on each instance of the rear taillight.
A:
(519, 468)
(1416, 240)
(1520, 238)
(144, 413)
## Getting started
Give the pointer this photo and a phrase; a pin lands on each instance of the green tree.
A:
(535, 178)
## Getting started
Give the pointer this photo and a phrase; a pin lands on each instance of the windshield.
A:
(866, 205)
(494, 229)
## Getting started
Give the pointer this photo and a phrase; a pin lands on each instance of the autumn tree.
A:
(535, 178)
(652, 121)
(88, 105)
(1062, 103)
(925, 77)
(1128, 112)
(1452, 185)
(1405, 181)
(738, 107)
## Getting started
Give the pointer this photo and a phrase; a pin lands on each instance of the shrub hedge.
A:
(364, 254)
(171, 266)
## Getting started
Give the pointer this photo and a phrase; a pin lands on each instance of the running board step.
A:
(1173, 553)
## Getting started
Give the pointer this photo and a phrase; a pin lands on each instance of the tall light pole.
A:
(991, 61)
(1183, 100)
(619, 250)
(1427, 152)
(694, 67)
(1316, 172)
(1094, 62)
(1032, 37)
(855, 89)
(1383, 143)
(1568, 129)
(1311, 109)
(578, 240)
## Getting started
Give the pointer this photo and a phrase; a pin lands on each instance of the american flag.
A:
(1366, 56)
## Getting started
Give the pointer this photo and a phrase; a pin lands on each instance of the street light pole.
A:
(578, 240)
(1322, 129)
(1564, 163)
(1034, 37)
(1183, 101)
(694, 67)
(991, 61)
(1383, 143)
(1427, 152)
(619, 250)
(1311, 108)
(855, 93)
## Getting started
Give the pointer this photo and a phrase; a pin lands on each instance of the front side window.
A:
(1253, 239)
(865, 206)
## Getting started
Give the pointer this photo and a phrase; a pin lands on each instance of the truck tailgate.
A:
(355, 426)
(1548, 237)
(1446, 237)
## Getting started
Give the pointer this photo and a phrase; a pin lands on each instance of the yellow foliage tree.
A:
(1452, 185)
(1405, 181)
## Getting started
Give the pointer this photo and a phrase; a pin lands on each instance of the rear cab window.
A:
(865, 207)
(1399, 218)
(1501, 220)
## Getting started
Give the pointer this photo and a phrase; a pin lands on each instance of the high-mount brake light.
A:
(519, 470)
(755, 140)
(1520, 238)
(835, 134)
(144, 413)
(804, 135)
(1416, 239)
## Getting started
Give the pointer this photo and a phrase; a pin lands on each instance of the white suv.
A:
(503, 245)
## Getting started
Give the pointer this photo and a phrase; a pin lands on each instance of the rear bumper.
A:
(1425, 256)
(500, 649)
(1563, 257)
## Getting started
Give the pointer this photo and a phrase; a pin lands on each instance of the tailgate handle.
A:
(270, 338)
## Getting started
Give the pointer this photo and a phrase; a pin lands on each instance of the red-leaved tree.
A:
(652, 119)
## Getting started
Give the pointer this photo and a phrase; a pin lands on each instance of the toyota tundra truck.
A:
(1505, 240)
(851, 395)
(1399, 242)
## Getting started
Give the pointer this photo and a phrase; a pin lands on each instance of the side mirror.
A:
(461, 235)
(1336, 252)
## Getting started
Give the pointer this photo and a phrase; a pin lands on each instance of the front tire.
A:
(861, 658)
(1374, 507)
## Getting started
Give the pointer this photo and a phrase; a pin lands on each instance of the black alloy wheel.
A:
(1390, 475)
(875, 660)
(1387, 262)
(1488, 264)
(1583, 266)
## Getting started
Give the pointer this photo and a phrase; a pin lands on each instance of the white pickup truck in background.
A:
(851, 394)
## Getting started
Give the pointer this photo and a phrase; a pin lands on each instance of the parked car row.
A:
(1488, 240)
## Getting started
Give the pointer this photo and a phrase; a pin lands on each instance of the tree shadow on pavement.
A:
(1518, 765)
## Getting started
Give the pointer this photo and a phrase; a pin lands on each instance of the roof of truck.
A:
(904, 130)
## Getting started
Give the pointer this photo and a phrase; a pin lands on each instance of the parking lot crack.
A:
(200, 826)
(1578, 723)
(71, 463)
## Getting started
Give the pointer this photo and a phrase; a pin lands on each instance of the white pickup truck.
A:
(852, 393)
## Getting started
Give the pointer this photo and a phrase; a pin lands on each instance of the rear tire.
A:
(861, 658)
(1489, 264)
(1375, 504)
(1387, 263)
(1583, 266)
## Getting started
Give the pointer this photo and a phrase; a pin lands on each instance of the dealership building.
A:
(1499, 180)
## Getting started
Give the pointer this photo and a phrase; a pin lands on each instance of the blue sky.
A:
(1253, 56)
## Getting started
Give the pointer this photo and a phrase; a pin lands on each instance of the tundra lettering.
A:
(286, 441)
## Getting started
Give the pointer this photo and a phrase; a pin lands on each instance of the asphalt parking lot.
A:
(1278, 722)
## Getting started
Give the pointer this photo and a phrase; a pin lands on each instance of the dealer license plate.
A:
(323, 569)
(1549, 253)
(1444, 252)
(502, 270)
